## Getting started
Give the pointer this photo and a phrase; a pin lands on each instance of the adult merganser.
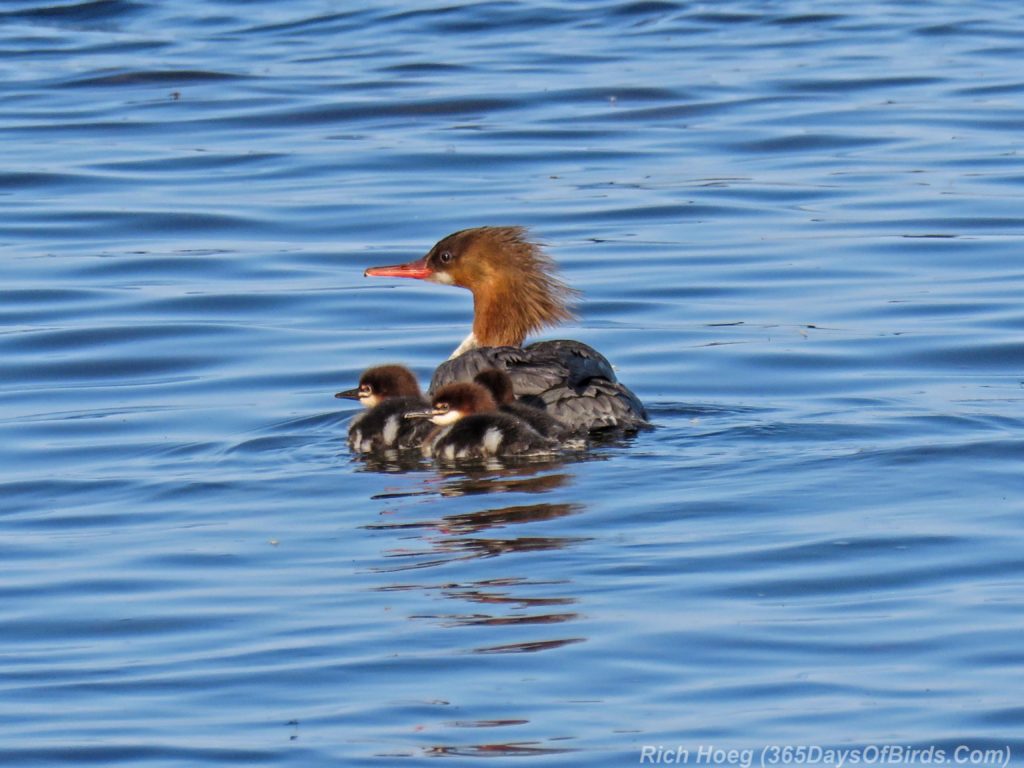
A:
(515, 293)
(388, 392)
(469, 426)
(499, 384)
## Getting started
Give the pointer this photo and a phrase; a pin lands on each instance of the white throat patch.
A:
(441, 278)
(444, 419)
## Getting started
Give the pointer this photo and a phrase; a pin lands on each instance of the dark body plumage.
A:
(471, 427)
(570, 380)
(499, 384)
(385, 427)
(484, 435)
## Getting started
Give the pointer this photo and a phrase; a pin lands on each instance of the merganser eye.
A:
(445, 257)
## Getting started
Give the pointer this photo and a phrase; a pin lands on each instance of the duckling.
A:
(469, 426)
(499, 384)
(388, 392)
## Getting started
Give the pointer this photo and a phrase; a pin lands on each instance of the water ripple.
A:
(798, 235)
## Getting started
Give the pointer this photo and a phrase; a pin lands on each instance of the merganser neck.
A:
(515, 291)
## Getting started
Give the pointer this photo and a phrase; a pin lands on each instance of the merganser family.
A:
(469, 426)
(388, 392)
(516, 293)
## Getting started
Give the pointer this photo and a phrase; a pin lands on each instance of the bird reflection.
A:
(474, 522)
(456, 620)
(495, 601)
(533, 474)
(529, 647)
(453, 541)
(465, 483)
(502, 481)
(475, 577)
(512, 749)
(494, 591)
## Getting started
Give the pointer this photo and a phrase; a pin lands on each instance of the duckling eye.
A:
(445, 257)
(365, 391)
(442, 407)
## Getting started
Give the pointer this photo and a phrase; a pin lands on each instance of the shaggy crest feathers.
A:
(525, 297)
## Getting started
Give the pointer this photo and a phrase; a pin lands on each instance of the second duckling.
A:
(469, 426)
(499, 384)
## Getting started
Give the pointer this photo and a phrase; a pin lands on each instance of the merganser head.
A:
(381, 382)
(498, 383)
(515, 289)
(454, 401)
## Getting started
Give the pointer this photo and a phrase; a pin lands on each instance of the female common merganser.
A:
(388, 392)
(515, 293)
(499, 384)
(469, 426)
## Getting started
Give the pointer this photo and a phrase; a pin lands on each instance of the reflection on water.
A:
(483, 475)
(474, 522)
(445, 540)
(503, 601)
(517, 749)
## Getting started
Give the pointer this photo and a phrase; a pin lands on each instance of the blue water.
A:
(799, 230)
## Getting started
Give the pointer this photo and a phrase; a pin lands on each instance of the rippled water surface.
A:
(799, 230)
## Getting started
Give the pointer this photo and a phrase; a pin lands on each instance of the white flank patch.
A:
(445, 419)
(449, 451)
(493, 438)
(366, 446)
(355, 439)
(391, 430)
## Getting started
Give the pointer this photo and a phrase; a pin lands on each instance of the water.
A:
(799, 231)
